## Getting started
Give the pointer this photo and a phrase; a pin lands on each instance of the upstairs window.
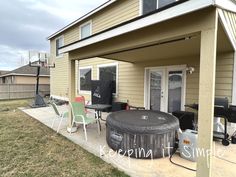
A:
(59, 43)
(86, 30)
(151, 5)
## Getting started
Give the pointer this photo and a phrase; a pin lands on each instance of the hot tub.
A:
(142, 134)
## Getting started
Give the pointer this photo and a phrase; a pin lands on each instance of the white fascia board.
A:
(227, 30)
(82, 18)
(226, 4)
(178, 10)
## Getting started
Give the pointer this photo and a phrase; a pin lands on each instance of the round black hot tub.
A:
(142, 134)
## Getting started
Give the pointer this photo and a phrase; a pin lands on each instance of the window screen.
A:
(59, 43)
(108, 74)
(149, 6)
(85, 30)
(162, 3)
(85, 79)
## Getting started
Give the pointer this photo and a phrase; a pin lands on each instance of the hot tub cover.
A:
(143, 121)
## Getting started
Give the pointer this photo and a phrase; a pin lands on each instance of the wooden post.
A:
(71, 86)
(206, 97)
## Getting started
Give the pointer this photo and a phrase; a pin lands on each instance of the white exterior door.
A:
(165, 88)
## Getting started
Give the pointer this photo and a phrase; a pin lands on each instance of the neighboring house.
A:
(3, 72)
(25, 75)
(149, 47)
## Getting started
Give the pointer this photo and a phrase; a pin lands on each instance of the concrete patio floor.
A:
(97, 145)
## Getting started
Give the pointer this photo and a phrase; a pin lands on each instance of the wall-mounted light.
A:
(190, 70)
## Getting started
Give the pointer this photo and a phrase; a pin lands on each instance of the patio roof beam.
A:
(151, 45)
(206, 96)
(104, 57)
(106, 54)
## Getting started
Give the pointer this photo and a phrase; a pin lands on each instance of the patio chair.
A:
(61, 116)
(80, 117)
(81, 99)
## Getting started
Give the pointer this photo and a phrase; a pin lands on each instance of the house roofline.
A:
(28, 75)
(226, 5)
(176, 9)
(127, 22)
(99, 8)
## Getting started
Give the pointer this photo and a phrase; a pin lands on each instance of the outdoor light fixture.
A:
(190, 70)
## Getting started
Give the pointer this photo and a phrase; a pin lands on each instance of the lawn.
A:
(28, 148)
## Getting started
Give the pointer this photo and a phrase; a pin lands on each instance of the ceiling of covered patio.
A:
(175, 48)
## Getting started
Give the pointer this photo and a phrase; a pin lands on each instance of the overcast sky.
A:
(25, 25)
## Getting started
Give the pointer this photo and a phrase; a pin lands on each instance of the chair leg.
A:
(71, 126)
(58, 128)
(99, 126)
(53, 122)
(85, 132)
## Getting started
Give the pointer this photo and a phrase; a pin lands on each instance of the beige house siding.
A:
(8, 80)
(24, 80)
(30, 80)
(131, 77)
(114, 14)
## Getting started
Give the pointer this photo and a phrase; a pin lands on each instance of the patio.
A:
(97, 145)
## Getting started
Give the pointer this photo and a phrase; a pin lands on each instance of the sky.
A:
(25, 25)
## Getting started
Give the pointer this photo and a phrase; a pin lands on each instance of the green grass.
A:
(28, 148)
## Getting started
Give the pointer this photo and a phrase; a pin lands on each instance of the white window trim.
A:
(84, 24)
(117, 73)
(167, 69)
(60, 54)
(84, 91)
(140, 7)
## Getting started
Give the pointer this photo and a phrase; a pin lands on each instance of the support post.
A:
(234, 81)
(206, 97)
(71, 86)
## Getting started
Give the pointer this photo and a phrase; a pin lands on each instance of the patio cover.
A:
(178, 36)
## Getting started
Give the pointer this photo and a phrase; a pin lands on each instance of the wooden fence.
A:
(21, 91)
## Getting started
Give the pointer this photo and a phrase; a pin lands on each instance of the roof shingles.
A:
(27, 70)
